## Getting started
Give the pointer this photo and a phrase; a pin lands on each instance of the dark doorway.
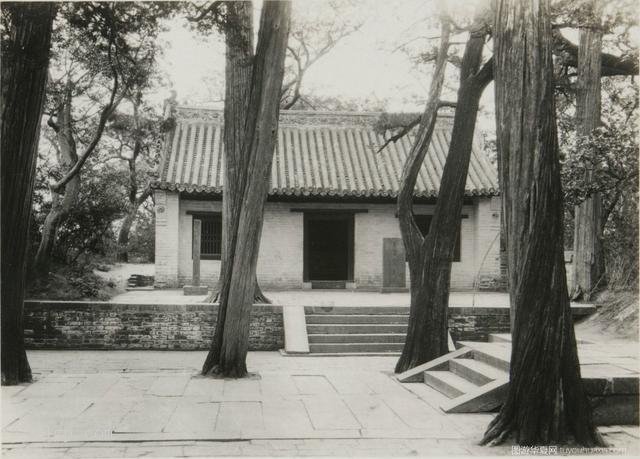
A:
(328, 247)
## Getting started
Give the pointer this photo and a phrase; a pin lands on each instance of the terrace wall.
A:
(102, 325)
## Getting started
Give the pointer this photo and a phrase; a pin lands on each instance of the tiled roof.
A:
(317, 154)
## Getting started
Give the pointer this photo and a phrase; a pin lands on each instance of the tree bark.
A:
(123, 234)
(588, 257)
(430, 257)
(25, 61)
(256, 140)
(62, 199)
(239, 58)
(238, 66)
(546, 403)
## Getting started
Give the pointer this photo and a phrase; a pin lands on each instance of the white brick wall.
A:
(167, 234)
(280, 263)
(487, 231)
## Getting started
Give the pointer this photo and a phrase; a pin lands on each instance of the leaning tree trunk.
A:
(25, 60)
(62, 198)
(431, 260)
(127, 222)
(546, 403)
(61, 205)
(123, 234)
(413, 351)
(588, 258)
(227, 355)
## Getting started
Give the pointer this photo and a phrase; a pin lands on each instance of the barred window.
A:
(424, 221)
(210, 236)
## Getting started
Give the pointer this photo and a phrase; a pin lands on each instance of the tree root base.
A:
(217, 372)
(499, 433)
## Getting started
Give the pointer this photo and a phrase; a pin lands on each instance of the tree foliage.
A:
(103, 53)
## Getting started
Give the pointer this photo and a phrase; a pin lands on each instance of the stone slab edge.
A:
(296, 340)
(415, 374)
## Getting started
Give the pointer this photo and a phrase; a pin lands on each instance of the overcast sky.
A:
(364, 65)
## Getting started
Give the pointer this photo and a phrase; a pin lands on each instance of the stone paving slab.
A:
(118, 404)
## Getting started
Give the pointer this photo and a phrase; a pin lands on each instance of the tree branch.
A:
(203, 12)
(107, 111)
(611, 65)
(406, 128)
(411, 234)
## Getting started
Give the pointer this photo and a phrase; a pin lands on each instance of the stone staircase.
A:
(356, 330)
(470, 379)
(475, 379)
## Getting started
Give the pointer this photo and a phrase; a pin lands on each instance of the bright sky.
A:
(364, 65)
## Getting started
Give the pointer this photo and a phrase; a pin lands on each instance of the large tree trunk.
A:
(62, 198)
(588, 259)
(546, 403)
(430, 259)
(238, 66)
(257, 142)
(25, 60)
(239, 57)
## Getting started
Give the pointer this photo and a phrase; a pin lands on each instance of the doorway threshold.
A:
(328, 284)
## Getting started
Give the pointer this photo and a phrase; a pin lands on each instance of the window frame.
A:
(217, 218)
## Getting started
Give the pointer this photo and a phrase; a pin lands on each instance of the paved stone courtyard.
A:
(153, 403)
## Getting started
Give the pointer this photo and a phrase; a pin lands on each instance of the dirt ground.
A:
(120, 272)
(616, 320)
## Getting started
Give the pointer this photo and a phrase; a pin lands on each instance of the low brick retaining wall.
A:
(102, 325)
(476, 324)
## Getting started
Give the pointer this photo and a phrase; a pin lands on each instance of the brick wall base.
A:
(101, 325)
(476, 324)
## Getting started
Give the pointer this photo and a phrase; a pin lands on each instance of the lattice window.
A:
(211, 236)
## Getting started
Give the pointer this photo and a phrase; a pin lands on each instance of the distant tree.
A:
(546, 402)
(136, 143)
(588, 259)
(103, 50)
(608, 157)
(312, 37)
(26, 39)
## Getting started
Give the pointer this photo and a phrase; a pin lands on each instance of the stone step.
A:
(352, 354)
(494, 361)
(357, 338)
(355, 347)
(476, 371)
(324, 284)
(333, 329)
(448, 383)
(356, 319)
(368, 310)
(499, 337)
